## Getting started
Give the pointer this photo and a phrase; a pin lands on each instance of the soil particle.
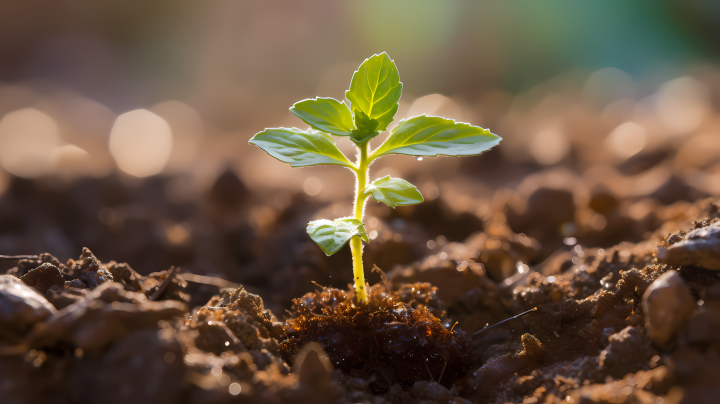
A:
(497, 371)
(627, 352)
(214, 336)
(583, 325)
(93, 279)
(20, 308)
(44, 277)
(667, 303)
(104, 315)
(252, 305)
(24, 266)
(47, 271)
(244, 316)
(88, 263)
(157, 285)
(124, 274)
(386, 338)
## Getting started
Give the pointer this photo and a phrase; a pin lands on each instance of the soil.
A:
(626, 312)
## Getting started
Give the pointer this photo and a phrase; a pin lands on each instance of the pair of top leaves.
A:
(374, 93)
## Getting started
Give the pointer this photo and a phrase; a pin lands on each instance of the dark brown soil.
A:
(120, 336)
(242, 320)
(394, 339)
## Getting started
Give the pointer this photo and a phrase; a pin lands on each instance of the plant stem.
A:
(356, 249)
(356, 246)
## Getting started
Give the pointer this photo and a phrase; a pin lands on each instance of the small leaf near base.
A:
(332, 235)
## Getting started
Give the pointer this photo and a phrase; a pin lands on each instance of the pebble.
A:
(667, 303)
(700, 247)
(20, 307)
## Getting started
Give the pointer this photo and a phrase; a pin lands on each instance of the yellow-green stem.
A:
(356, 246)
(356, 249)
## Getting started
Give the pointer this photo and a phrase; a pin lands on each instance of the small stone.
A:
(667, 303)
(44, 277)
(700, 247)
(20, 307)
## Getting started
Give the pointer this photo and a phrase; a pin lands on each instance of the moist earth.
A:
(632, 322)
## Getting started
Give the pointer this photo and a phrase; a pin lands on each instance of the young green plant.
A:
(373, 97)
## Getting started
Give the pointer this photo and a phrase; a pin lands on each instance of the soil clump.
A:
(393, 339)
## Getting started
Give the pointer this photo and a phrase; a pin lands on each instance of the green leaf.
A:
(300, 148)
(375, 89)
(331, 235)
(365, 128)
(432, 136)
(326, 115)
(394, 192)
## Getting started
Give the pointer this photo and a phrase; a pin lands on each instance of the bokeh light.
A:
(312, 186)
(70, 160)
(627, 139)
(682, 104)
(549, 146)
(28, 138)
(141, 143)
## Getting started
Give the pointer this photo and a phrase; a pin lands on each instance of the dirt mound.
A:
(392, 339)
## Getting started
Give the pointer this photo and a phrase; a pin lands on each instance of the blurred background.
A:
(124, 128)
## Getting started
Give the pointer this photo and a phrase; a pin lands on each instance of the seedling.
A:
(373, 98)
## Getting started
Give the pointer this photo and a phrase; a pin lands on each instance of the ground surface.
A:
(217, 295)
(635, 320)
